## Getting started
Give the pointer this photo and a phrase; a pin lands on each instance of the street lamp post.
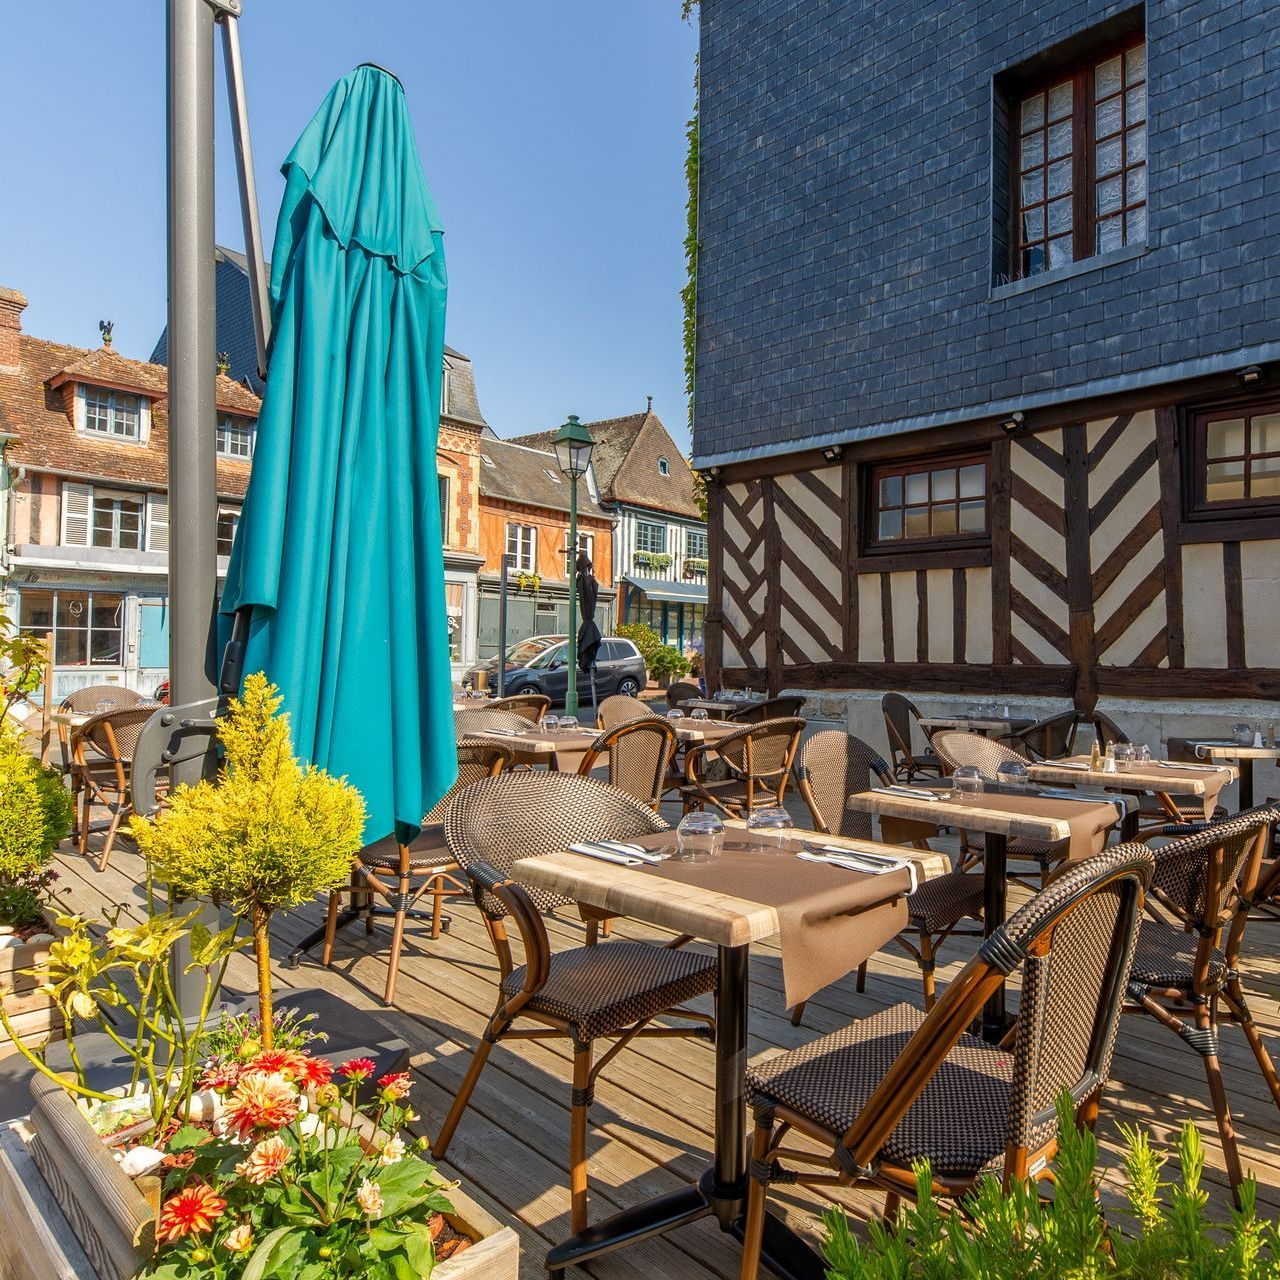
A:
(573, 447)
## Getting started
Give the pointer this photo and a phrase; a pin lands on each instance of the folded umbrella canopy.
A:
(337, 558)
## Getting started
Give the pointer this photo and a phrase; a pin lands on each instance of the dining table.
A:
(827, 920)
(990, 726)
(1079, 822)
(1243, 756)
(1162, 778)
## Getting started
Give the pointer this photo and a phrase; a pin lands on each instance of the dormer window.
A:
(236, 437)
(664, 467)
(551, 475)
(114, 415)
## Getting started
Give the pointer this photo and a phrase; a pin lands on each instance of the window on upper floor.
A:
(927, 502)
(236, 436)
(115, 415)
(228, 523)
(664, 467)
(1235, 458)
(446, 390)
(586, 545)
(522, 543)
(695, 544)
(113, 520)
(651, 538)
(1078, 160)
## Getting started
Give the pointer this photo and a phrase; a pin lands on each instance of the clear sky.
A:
(552, 134)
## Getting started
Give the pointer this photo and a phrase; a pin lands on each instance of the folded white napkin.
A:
(606, 855)
(850, 860)
(1068, 764)
(1191, 768)
(906, 791)
(506, 733)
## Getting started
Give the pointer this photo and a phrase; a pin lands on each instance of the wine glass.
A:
(676, 714)
(551, 724)
(1125, 756)
(699, 837)
(1012, 773)
(569, 724)
(769, 827)
(967, 780)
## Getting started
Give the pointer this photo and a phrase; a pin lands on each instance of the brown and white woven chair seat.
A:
(600, 990)
(830, 1080)
(1166, 957)
(943, 901)
(427, 850)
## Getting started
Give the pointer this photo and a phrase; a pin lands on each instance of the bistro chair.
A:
(899, 715)
(532, 706)
(403, 874)
(769, 709)
(1050, 739)
(1107, 732)
(466, 723)
(639, 755)
(101, 763)
(609, 992)
(87, 701)
(957, 747)
(1186, 971)
(830, 767)
(681, 691)
(621, 708)
(903, 1086)
(757, 761)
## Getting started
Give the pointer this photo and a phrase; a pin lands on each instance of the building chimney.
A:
(12, 305)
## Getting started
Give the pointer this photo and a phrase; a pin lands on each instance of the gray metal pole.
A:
(253, 247)
(502, 623)
(571, 690)
(192, 362)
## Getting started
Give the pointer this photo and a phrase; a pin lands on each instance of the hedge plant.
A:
(35, 817)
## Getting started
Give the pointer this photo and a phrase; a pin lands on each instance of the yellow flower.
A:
(240, 1239)
(369, 1198)
(82, 1004)
(392, 1151)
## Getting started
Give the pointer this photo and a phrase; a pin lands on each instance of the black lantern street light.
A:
(573, 447)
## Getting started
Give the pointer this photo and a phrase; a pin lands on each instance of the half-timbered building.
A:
(988, 392)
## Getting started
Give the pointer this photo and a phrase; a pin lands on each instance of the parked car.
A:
(544, 669)
(519, 655)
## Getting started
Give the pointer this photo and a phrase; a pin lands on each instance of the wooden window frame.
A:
(1215, 515)
(519, 529)
(229, 424)
(226, 513)
(873, 472)
(651, 524)
(1084, 181)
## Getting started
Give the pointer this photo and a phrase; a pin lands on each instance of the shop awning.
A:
(671, 592)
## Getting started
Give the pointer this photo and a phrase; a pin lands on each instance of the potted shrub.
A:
(35, 817)
(253, 1156)
(667, 664)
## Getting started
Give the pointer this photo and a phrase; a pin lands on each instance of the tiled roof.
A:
(32, 408)
(625, 461)
(517, 473)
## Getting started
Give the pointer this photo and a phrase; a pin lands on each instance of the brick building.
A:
(86, 516)
(987, 343)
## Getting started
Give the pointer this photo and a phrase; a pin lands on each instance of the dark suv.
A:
(619, 669)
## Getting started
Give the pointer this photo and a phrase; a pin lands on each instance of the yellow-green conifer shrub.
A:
(35, 815)
(267, 833)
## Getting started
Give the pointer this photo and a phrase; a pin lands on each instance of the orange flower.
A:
(284, 1062)
(394, 1086)
(260, 1102)
(317, 1072)
(265, 1161)
(193, 1211)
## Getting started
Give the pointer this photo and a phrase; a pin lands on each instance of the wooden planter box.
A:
(34, 1016)
(113, 1217)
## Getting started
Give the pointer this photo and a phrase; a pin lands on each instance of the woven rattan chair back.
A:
(898, 714)
(621, 708)
(956, 748)
(88, 700)
(114, 736)
(1050, 739)
(830, 767)
(1074, 942)
(494, 823)
(532, 706)
(762, 753)
(466, 723)
(682, 691)
(478, 758)
(639, 757)
(769, 709)
(1107, 731)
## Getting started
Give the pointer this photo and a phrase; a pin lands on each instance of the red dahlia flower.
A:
(193, 1211)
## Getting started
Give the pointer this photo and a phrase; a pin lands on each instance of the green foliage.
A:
(35, 816)
(668, 663)
(267, 833)
(653, 559)
(1015, 1235)
(644, 637)
(22, 660)
(238, 1032)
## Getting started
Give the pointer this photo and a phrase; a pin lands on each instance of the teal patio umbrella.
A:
(337, 564)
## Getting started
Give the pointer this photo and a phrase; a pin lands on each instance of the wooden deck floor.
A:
(652, 1116)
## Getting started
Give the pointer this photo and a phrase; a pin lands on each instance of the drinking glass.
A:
(569, 724)
(1142, 753)
(105, 706)
(550, 724)
(1012, 773)
(698, 713)
(1125, 756)
(676, 714)
(967, 780)
(699, 837)
(1242, 735)
(770, 827)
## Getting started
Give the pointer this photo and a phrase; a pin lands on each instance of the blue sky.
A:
(552, 134)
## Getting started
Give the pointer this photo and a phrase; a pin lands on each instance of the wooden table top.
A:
(1230, 751)
(981, 812)
(71, 719)
(1181, 781)
(718, 918)
(977, 724)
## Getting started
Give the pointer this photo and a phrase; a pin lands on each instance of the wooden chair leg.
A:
(892, 1203)
(578, 1139)
(593, 932)
(86, 805)
(393, 961)
(926, 969)
(753, 1228)
(461, 1098)
(1221, 1108)
(1240, 1011)
(330, 929)
(437, 906)
(117, 812)
(860, 983)
(606, 927)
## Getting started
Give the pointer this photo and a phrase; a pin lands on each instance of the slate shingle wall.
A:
(846, 272)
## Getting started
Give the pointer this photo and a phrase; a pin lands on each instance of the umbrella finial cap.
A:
(377, 66)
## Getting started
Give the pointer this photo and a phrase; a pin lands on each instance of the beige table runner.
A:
(1087, 822)
(829, 919)
(1207, 781)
